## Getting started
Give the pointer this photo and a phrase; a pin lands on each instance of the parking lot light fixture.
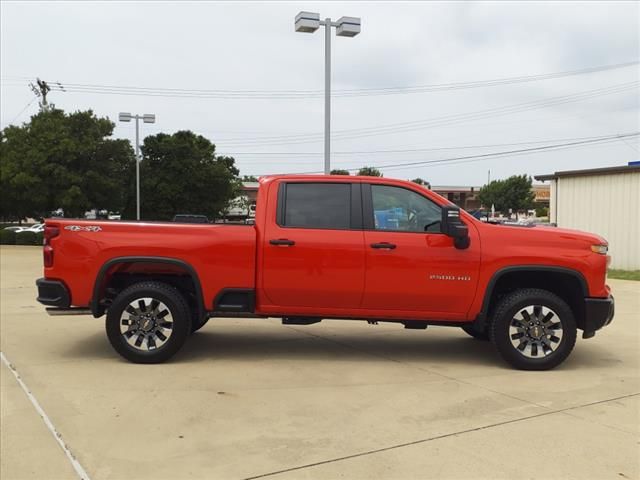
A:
(146, 118)
(308, 22)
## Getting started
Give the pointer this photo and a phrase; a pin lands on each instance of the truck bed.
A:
(221, 255)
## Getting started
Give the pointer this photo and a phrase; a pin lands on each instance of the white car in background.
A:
(37, 228)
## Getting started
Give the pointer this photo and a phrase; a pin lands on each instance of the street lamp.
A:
(307, 22)
(146, 118)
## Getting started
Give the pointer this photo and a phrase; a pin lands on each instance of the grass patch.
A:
(624, 274)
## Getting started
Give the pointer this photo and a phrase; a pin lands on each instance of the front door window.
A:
(399, 209)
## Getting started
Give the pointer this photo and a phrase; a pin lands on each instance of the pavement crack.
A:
(79, 469)
(436, 437)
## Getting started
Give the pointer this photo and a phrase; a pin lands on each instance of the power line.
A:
(484, 156)
(35, 97)
(508, 152)
(435, 121)
(414, 150)
(551, 148)
(305, 94)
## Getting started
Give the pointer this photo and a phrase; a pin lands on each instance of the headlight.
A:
(601, 249)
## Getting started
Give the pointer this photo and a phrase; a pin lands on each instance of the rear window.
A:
(318, 205)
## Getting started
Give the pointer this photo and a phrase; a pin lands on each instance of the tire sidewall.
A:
(510, 306)
(179, 311)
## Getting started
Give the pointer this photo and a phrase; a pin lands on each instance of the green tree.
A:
(421, 181)
(370, 172)
(514, 192)
(249, 178)
(180, 173)
(62, 160)
(339, 172)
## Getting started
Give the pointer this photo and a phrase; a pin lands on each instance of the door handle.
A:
(386, 245)
(283, 242)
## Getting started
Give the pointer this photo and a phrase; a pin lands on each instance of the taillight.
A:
(47, 255)
(50, 232)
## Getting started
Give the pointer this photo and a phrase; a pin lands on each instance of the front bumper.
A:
(53, 293)
(598, 313)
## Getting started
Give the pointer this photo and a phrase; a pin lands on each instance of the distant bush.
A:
(27, 238)
(542, 212)
(7, 237)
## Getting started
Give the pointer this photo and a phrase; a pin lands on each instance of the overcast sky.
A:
(252, 46)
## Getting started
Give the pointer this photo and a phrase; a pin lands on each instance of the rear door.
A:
(313, 251)
(412, 268)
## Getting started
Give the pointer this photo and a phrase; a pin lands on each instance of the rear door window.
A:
(317, 205)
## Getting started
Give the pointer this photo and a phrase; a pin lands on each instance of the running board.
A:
(300, 320)
(55, 311)
(217, 314)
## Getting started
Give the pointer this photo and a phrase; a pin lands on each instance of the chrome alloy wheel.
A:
(535, 331)
(146, 324)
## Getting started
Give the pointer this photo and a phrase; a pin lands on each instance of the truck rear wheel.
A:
(533, 329)
(148, 322)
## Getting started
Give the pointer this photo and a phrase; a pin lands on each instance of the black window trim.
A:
(355, 214)
(367, 210)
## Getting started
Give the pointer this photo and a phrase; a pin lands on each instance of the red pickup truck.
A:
(338, 247)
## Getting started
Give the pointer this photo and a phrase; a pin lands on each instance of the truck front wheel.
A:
(148, 322)
(533, 329)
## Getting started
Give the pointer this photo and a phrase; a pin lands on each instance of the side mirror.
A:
(453, 227)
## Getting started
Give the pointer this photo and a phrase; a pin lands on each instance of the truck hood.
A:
(550, 233)
(572, 233)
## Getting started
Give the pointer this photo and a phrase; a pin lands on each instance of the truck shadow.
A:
(415, 347)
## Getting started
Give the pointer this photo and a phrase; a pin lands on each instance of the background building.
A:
(605, 201)
(463, 196)
(250, 190)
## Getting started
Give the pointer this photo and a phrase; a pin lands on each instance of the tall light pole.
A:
(307, 22)
(146, 118)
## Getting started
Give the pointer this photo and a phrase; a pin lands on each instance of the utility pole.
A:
(41, 89)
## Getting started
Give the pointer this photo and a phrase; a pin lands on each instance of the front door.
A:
(313, 254)
(412, 268)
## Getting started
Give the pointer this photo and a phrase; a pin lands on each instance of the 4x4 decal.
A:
(78, 228)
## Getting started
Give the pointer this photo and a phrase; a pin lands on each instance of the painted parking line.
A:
(82, 474)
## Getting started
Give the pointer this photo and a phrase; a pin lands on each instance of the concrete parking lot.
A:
(255, 399)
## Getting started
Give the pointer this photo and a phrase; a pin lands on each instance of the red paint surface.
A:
(328, 272)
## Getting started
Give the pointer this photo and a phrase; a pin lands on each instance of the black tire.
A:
(470, 329)
(535, 331)
(176, 333)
